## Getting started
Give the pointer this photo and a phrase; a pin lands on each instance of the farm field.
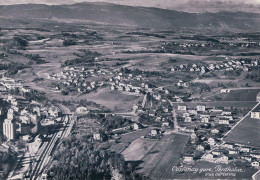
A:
(163, 156)
(112, 99)
(137, 150)
(247, 132)
(242, 95)
(128, 138)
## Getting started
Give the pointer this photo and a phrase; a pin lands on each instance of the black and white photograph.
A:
(129, 89)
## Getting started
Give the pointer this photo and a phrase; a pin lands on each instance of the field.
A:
(242, 95)
(247, 132)
(128, 138)
(137, 150)
(112, 99)
(163, 156)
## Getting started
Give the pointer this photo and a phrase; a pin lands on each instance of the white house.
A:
(200, 148)
(182, 108)
(201, 108)
(96, 136)
(232, 151)
(214, 131)
(188, 159)
(211, 141)
(255, 115)
(82, 110)
(255, 164)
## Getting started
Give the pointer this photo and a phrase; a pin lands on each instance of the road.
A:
(44, 158)
(176, 126)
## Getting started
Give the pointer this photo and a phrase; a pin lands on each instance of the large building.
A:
(255, 114)
(8, 126)
(258, 97)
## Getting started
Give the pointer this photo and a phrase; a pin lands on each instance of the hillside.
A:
(137, 16)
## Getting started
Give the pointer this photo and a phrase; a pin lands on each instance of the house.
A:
(223, 159)
(182, 107)
(229, 145)
(201, 108)
(188, 159)
(248, 158)
(245, 149)
(82, 110)
(192, 111)
(233, 151)
(97, 136)
(193, 136)
(255, 114)
(200, 148)
(255, 164)
(152, 112)
(214, 131)
(208, 156)
(223, 121)
(26, 138)
(186, 114)
(137, 126)
(135, 107)
(217, 152)
(224, 90)
(165, 124)
(189, 129)
(205, 120)
(258, 97)
(255, 154)
(211, 141)
(155, 132)
(188, 119)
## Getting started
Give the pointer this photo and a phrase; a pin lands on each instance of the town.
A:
(94, 101)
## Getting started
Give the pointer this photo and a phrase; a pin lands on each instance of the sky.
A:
(180, 5)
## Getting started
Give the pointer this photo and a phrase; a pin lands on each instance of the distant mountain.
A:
(138, 16)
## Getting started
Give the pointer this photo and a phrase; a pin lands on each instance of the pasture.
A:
(163, 156)
(138, 149)
(247, 132)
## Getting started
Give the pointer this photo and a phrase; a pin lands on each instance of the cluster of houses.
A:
(230, 65)
(207, 126)
(129, 83)
(204, 115)
(75, 79)
(50, 116)
(10, 84)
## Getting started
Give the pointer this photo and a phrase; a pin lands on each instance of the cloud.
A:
(181, 5)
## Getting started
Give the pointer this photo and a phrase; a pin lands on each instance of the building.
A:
(155, 132)
(97, 136)
(8, 126)
(255, 114)
(137, 126)
(201, 108)
(232, 151)
(200, 148)
(255, 164)
(182, 108)
(229, 145)
(211, 141)
(258, 97)
(188, 159)
(82, 110)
